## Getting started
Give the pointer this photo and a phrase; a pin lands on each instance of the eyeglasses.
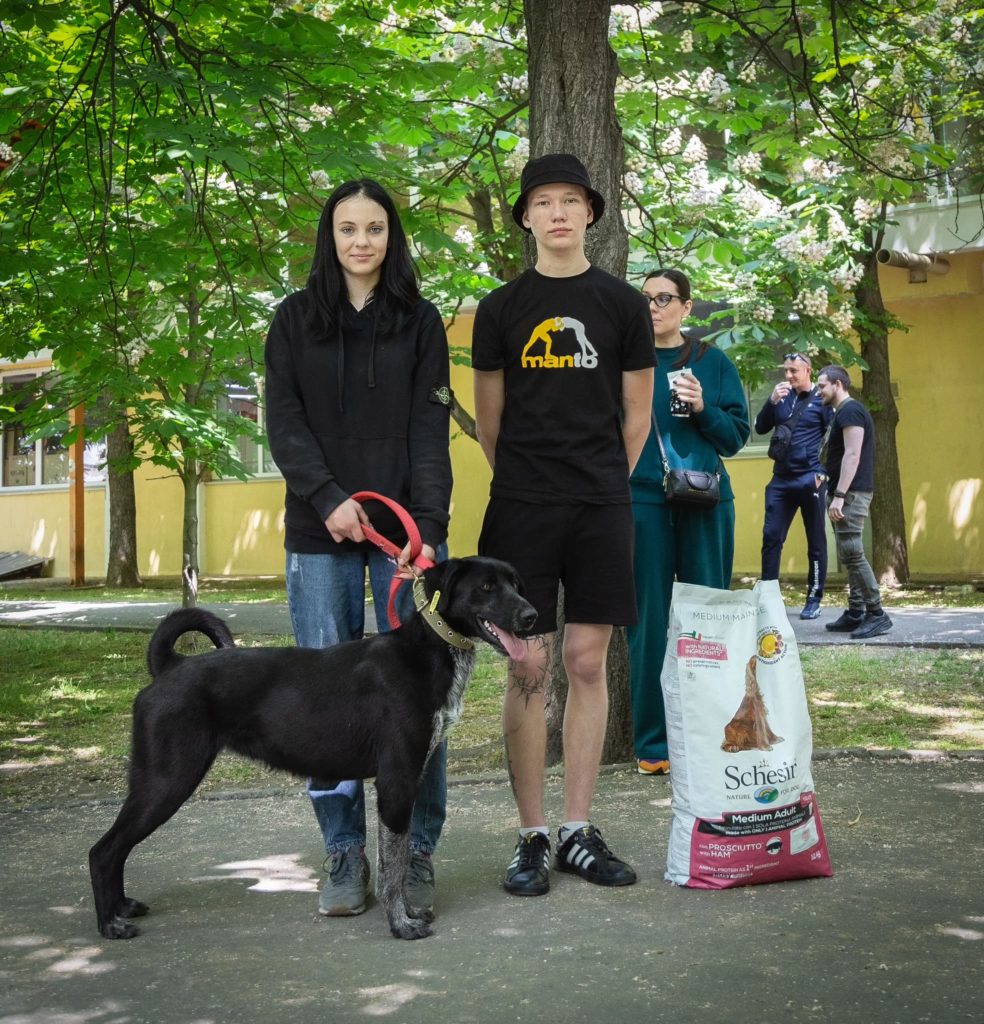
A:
(661, 299)
(797, 355)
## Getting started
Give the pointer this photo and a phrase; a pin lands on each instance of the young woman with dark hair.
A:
(357, 398)
(687, 543)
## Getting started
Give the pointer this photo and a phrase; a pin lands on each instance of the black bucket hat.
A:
(554, 169)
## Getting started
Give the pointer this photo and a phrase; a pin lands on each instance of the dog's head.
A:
(482, 598)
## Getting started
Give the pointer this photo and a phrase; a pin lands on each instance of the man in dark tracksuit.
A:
(798, 481)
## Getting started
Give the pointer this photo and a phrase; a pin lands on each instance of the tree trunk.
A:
(890, 552)
(572, 72)
(189, 535)
(121, 563)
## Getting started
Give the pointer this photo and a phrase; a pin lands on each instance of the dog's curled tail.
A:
(161, 653)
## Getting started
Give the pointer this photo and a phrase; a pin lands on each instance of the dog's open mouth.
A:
(503, 641)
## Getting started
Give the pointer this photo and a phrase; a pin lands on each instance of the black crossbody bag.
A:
(688, 486)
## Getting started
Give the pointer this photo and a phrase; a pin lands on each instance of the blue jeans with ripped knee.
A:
(326, 597)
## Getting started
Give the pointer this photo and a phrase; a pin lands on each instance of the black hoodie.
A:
(364, 410)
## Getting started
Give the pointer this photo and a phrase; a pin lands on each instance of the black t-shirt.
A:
(852, 414)
(562, 344)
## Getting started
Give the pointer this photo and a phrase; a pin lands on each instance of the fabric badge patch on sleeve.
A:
(441, 394)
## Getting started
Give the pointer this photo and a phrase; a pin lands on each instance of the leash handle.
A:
(389, 548)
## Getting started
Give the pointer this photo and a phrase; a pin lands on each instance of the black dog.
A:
(370, 708)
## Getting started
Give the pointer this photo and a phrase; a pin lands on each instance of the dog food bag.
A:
(740, 739)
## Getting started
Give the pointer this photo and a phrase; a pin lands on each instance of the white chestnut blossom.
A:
(812, 302)
(757, 204)
(670, 146)
(842, 319)
(847, 276)
(748, 163)
(695, 151)
(837, 230)
(748, 73)
(711, 84)
(319, 179)
(863, 211)
(464, 237)
(687, 41)
(763, 311)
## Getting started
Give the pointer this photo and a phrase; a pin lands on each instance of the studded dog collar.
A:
(429, 612)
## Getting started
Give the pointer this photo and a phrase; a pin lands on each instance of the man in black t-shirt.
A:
(851, 477)
(563, 359)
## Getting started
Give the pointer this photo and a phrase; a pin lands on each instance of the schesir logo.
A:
(766, 795)
(539, 352)
(771, 646)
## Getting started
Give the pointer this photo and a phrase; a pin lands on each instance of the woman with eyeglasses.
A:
(683, 542)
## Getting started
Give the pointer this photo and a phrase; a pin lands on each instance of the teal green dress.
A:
(685, 543)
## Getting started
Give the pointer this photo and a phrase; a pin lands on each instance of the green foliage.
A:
(167, 164)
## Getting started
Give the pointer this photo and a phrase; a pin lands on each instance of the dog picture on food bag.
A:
(392, 699)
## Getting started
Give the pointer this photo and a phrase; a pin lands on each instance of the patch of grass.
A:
(65, 700)
(222, 589)
(948, 595)
(896, 699)
(217, 589)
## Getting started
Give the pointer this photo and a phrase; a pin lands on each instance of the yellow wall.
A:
(941, 408)
(243, 529)
(37, 522)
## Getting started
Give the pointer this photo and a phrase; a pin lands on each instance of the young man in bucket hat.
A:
(563, 361)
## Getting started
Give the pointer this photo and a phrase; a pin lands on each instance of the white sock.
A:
(542, 829)
(567, 827)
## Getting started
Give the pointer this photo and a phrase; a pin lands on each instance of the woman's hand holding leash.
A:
(404, 561)
(346, 521)
(410, 561)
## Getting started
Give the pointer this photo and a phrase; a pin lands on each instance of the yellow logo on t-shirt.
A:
(585, 359)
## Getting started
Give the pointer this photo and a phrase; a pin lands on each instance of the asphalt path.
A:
(912, 627)
(233, 937)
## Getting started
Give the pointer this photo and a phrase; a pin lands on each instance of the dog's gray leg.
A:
(392, 860)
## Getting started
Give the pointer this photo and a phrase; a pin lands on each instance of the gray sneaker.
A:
(419, 888)
(344, 890)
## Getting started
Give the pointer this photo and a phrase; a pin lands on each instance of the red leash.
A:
(388, 547)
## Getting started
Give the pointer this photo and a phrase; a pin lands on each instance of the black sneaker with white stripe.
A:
(529, 872)
(585, 853)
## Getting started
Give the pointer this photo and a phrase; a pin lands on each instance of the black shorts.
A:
(588, 548)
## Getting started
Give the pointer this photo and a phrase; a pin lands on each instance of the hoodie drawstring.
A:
(371, 380)
(341, 367)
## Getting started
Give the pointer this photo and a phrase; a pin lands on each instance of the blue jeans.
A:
(326, 597)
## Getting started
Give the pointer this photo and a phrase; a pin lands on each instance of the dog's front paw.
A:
(131, 908)
(119, 928)
(412, 928)
(420, 913)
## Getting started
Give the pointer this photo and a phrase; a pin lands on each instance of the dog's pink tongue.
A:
(515, 648)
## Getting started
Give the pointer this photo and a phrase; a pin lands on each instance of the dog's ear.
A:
(440, 578)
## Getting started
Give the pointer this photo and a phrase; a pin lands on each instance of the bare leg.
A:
(586, 714)
(524, 728)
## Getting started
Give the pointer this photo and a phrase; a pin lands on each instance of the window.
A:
(43, 461)
(244, 401)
